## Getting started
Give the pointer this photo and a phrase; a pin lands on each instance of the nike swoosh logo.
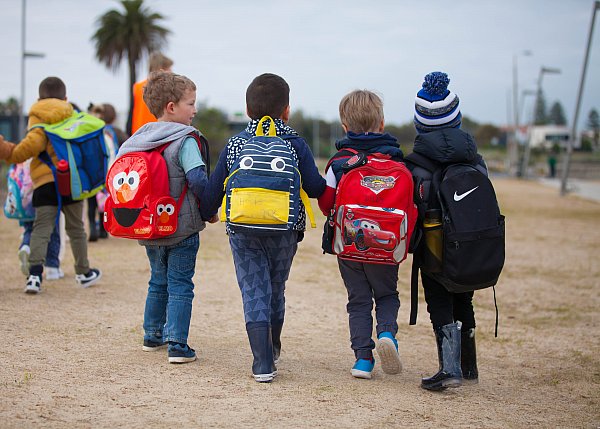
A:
(461, 196)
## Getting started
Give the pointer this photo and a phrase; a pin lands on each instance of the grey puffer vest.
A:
(189, 220)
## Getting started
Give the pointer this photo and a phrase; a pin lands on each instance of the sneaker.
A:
(181, 353)
(23, 255)
(363, 368)
(34, 284)
(89, 279)
(153, 345)
(53, 273)
(387, 349)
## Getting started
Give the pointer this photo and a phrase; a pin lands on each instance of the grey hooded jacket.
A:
(153, 135)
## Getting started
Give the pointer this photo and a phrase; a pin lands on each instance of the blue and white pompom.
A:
(436, 83)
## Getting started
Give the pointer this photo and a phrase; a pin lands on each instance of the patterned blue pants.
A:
(262, 266)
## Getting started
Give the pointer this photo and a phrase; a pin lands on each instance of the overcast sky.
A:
(324, 49)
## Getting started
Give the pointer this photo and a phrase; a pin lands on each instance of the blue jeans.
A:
(170, 290)
(53, 247)
(262, 266)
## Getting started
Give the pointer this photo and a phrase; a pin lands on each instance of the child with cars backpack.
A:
(357, 233)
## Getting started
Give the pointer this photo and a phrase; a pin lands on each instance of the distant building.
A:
(546, 136)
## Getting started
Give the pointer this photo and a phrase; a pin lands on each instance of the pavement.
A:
(588, 189)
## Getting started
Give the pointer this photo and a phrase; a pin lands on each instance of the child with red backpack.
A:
(365, 232)
(171, 98)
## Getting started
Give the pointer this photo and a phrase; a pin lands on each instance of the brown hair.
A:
(52, 87)
(109, 113)
(361, 111)
(164, 87)
(158, 61)
(267, 95)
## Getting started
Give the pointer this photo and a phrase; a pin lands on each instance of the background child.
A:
(361, 114)
(271, 256)
(52, 107)
(172, 98)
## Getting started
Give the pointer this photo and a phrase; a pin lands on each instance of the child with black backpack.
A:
(269, 172)
(51, 108)
(361, 114)
(462, 231)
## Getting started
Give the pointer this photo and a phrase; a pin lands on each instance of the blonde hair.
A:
(158, 61)
(164, 87)
(361, 111)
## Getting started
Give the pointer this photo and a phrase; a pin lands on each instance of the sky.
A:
(324, 49)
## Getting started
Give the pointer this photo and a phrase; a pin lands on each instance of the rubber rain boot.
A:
(448, 345)
(263, 367)
(468, 356)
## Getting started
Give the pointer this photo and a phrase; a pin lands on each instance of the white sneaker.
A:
(34, 284)
(53, 273)
(87, 280)
(23, 255)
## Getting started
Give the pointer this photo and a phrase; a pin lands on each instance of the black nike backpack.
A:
(463, 236)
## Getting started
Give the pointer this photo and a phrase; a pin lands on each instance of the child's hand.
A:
(214, 219)
(6, 148)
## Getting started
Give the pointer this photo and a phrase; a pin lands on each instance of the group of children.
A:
(171, 98)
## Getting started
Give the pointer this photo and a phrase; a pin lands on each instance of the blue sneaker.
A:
(363, 368)
(181, 353)
(387, 349)
(154, 344)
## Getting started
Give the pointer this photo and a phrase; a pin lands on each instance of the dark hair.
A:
(109, 115)
(52, 87)
(267, 95)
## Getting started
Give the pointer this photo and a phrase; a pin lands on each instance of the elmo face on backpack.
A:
(139, 205)
(374, 211)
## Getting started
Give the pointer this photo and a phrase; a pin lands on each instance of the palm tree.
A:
(130, 35)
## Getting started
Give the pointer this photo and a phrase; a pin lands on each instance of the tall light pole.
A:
(527, 149)
(24, 55)
(513, 145)
(573, 136)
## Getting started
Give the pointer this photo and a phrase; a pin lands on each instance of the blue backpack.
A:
(264, 189)
(80, 141)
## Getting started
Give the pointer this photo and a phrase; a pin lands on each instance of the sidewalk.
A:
(588, 189)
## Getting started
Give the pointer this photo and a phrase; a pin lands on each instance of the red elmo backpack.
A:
(139, 205)
(374, 210)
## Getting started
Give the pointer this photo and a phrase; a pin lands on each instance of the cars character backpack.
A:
(18, 204)
(374, 213)
(79, 140)
(263, 192)
(139, 205)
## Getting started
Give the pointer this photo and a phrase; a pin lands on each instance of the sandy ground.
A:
(73, 358)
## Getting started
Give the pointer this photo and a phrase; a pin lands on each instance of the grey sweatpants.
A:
(45, 219)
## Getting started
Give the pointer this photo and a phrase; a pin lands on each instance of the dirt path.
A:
(72, 357)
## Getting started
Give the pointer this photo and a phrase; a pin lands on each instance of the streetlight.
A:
(24, 55)
(567, 162)
(513, 150)
(527, 149)
(524, 94)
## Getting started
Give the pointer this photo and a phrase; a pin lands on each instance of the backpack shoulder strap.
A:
(341, 154)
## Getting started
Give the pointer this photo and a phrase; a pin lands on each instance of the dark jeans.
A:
(446, 307)
(365, 283)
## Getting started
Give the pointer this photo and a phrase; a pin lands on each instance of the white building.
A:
(545, 136)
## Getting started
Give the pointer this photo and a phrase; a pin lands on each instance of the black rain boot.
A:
(468, 356)
(448, 345)
(263, 368)
(276, 336)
